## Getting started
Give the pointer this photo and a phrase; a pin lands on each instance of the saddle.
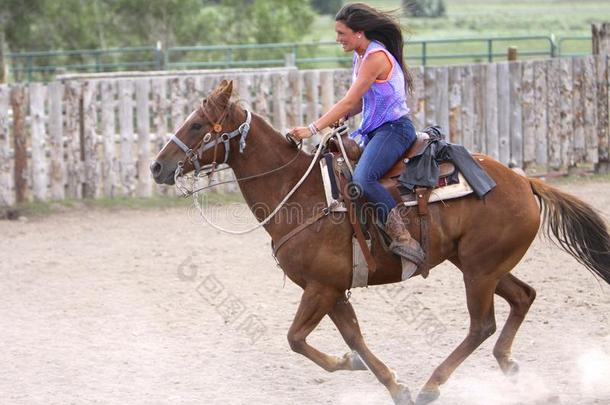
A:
(340, 156)
(338, 181)
(447, 175)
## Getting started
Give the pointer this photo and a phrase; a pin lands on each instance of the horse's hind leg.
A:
(479, 298)
(344, 317)
(520, 296)
(316, 302)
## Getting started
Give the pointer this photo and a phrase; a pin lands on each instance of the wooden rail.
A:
(95, 137)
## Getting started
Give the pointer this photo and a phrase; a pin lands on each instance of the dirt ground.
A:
(150, 307)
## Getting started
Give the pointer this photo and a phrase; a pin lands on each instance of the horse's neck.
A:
(265, 152)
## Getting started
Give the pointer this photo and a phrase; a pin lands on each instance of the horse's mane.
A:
(215, 103)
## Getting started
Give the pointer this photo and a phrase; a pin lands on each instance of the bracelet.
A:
(313, 129)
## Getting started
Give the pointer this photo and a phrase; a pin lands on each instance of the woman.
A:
(379, 85)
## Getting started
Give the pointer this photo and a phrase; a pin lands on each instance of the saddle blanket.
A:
(457, 190)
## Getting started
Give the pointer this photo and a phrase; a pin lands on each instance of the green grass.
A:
(38, 209)
(490, 18)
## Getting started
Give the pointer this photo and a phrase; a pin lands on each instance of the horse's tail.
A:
(578, 228)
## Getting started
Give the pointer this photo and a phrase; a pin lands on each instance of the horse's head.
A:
(205, 138)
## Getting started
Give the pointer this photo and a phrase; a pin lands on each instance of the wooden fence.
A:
(96, 136)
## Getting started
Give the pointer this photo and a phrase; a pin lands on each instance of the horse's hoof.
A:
(427, 396)
(511, 368)
(355, 361)
(403, 397)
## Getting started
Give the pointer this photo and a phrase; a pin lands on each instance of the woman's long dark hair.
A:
(379, 26)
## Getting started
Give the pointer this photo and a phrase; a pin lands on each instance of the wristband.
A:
(313, 129)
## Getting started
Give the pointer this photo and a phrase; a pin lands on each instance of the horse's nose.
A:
(156, 168)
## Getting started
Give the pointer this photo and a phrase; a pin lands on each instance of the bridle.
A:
(206, 143)
(195, 153)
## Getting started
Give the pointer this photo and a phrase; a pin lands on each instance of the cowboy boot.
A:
(403, 243)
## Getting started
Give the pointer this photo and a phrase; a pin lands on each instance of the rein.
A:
(226, 137)
(321, 146)
(254, 176)
(323, 142)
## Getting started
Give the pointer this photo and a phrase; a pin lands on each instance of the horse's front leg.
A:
(344, 317)
(316, 302)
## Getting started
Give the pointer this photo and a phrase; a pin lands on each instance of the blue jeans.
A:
(387, 144)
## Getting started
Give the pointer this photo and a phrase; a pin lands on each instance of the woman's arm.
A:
(355, 111)
(372, 67)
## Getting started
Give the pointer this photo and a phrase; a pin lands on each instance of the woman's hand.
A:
(301, 132)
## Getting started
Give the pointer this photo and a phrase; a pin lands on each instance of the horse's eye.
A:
(196, 126)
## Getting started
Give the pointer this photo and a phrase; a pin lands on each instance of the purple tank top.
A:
(385, 100)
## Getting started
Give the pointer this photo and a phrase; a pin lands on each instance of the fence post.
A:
(160, 56)
(30, 68)
(289, 60)
(40, 167)
(19, 143)
(528, 114)
(512, 53)
(492, 143)
(90, 143)
(72, 124)
(554, 47)
(601, 47)
(455, 105)
(424, 53)
(294, 107)
(503, 83)
(490, 51)
(515, 70)
(110, 167)
(601, 38)
(7, 197)
(2, 62)
(56, 143)
(144, 187)
(127, 166)
(98, 62)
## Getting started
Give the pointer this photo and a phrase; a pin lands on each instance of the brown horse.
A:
(484, 238)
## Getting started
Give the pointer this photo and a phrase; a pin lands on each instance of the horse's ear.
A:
(225, 86)
(224, 91)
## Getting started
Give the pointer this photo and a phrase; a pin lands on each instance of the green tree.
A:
(88, 24)
(144, 22)
(280, 20)
(77, 24)
(263, 21)
(16, 17)
(48, 24)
